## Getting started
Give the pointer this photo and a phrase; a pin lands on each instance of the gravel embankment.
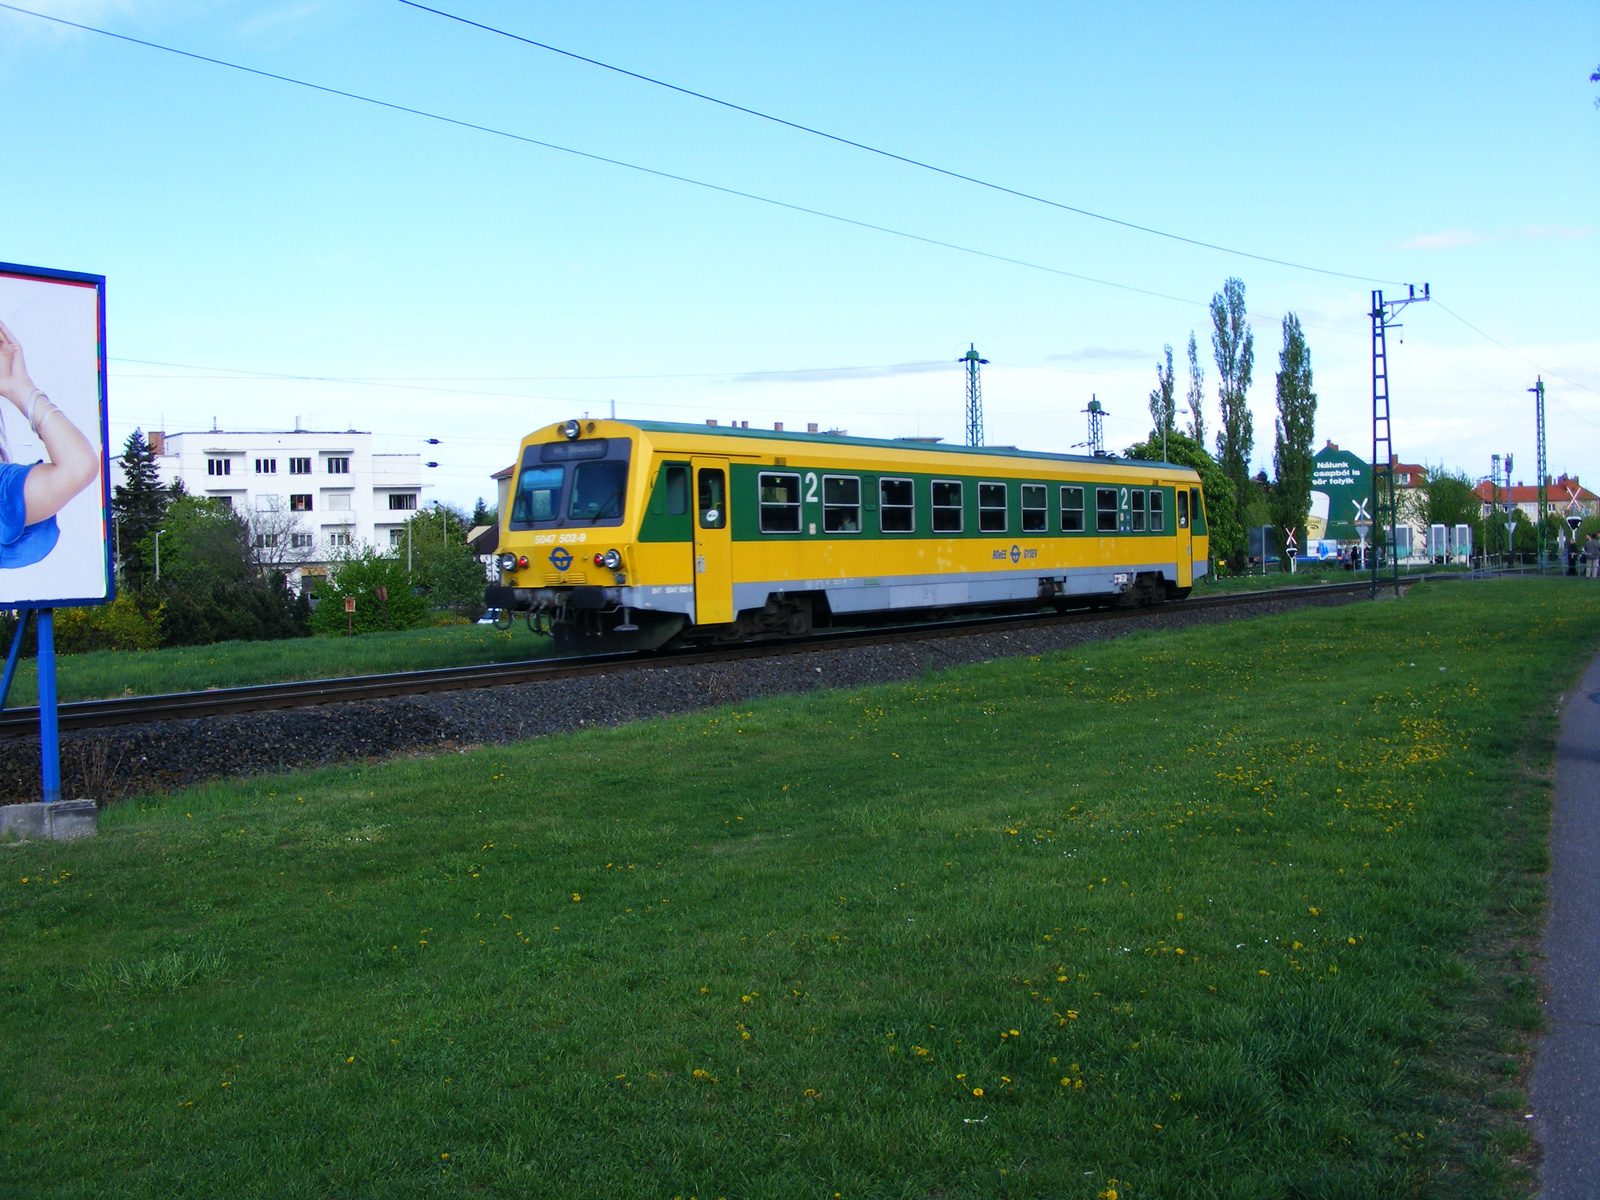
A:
(130, 759)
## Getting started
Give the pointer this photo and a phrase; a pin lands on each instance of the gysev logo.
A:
(1016, 553)
(560, 559)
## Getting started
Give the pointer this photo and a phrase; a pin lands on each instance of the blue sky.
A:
(468, 287)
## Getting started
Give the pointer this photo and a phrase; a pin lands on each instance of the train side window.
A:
(713, 498)
(841, 504)
(677, 489)
(1196, 513)
(1072, 510)
(946, 506)
(1035, 508)
(1183, 509)
(1138, 510)
(1105, 510)
(897, 511)
(991, 508)
(780, 503)
(1158, 513)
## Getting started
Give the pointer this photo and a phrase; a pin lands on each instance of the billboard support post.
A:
(49, 742)
(16, 653)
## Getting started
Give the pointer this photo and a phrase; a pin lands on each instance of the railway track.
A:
(130, 710)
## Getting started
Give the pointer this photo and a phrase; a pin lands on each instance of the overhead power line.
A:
(889, 154)
(600, 158)
(1517, 353)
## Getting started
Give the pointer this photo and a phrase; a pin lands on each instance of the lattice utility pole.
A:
(1383, 502)
(974, 396)
(1097, 431)
(1544, 465)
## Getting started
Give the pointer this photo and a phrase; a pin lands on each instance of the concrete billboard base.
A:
(60, 821)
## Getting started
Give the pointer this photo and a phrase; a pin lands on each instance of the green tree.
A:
(1163, 408)
(482, 514)
(137, 506)
(443, 565)
(1233, 347)
(1221, 504)
(1294, 433)
(1197, 394)
(358, 576)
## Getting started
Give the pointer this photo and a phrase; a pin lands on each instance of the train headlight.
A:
(508, 562)
(599, 559)
(612, 560)
(571, 430)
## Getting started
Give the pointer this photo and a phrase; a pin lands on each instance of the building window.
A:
(300, 503)
(266, 541)
(1137, 499)
(946, 506)
(896, 509)
(338, 466)
(779, 503)
(268, 503)
(219, 466)
(841, 504)
(225, 501)
(991, 508)
(300, 541)
(339, 541)
(397, 537)
(1157, 523)
(399, 501)
(266, 466)
(1105, 510)
(1035, 508)
(1072, 510)
(299, 466)
(338, 502)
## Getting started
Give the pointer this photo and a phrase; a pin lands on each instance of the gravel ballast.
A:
(127, 760)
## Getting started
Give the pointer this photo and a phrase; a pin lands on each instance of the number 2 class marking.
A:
(811, 487)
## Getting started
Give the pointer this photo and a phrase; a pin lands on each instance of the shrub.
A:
(359, 575)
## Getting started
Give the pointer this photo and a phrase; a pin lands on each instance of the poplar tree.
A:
(138, 505)
(1162, 407)
(1233, 346)
(1295, 430)
(1197, 394)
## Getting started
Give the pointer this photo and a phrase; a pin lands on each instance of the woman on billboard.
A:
(32, 493)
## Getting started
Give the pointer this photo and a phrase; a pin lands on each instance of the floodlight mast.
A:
(1383, 316)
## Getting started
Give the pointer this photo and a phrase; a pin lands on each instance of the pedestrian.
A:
(1591, 549)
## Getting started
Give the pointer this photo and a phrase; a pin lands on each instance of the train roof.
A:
(916, 444)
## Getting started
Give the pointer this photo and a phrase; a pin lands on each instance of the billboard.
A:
(54, 498)
(1341, 487)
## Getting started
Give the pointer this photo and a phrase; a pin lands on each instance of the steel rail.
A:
(214, 702)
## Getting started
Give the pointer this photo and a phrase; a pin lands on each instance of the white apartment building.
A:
(308, 494)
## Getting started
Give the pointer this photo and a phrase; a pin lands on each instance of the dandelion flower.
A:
(977, 1091)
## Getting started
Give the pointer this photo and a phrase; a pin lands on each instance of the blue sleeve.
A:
(21, 544)
(13, 504)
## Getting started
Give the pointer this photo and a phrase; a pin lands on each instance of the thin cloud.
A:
(1100, 354)
(1451, 239)
(288, 15)
(1448, 239)
(824, 373)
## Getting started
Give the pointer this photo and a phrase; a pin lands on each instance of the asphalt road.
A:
(1566, 1077)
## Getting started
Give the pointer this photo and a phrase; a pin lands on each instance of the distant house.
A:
(1564, 495)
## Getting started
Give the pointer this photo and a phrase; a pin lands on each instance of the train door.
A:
(713, 543)
(1185, 540)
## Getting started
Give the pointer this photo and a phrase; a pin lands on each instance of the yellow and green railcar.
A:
(625, 535)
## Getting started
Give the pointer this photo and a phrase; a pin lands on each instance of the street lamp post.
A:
(159, 532)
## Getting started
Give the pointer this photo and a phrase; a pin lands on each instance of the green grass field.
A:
(105, 673)
(1239, 911)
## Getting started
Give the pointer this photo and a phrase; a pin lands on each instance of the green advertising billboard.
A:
(1341, 487)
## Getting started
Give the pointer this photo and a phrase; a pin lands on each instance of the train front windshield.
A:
(597, 490)
(572, 483)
